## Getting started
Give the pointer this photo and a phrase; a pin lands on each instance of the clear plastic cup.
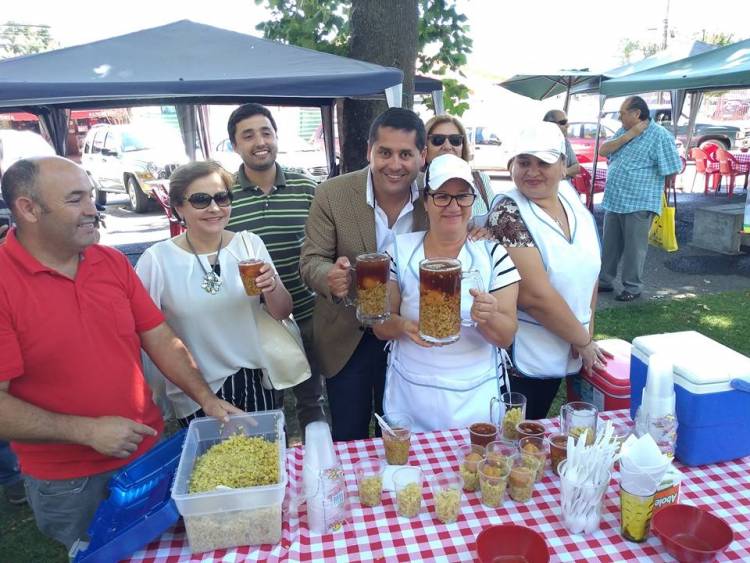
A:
(501, 450)
(369, 473)
(527, 428)
(469, 457)
(579, 417)
(514, 412)
(482, 433)
(493, 481)
(447, 492)
(534, 445)
(523, 468)
(581, 504)
(558, 450)
(407, 483)
(398, 446)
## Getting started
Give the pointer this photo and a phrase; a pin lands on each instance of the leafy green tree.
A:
(18, 39)
(324, 25)
(631, 46)
(442, 43)
(718, 38)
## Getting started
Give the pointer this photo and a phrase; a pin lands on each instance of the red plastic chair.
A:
(728, 166)
(583, 158)
(703, 166)
(582, 183)
(162, 196)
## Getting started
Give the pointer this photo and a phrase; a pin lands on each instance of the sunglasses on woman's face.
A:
(202, 200)
(439, 140)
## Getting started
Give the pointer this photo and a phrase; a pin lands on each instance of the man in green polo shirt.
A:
(274, 203)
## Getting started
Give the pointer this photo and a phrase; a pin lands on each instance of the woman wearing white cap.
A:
(553, 241)
(448, 386)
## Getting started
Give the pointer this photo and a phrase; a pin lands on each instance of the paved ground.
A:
(689, 271)
(684, 273)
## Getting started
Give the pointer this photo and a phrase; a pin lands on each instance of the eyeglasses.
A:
(439, 140)
(202, 200)
(442, 199)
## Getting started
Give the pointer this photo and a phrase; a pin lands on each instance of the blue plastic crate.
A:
(139, 508)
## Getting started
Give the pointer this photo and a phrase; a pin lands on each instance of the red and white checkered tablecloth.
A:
(741, 157)
(601, 173)
(379, 534)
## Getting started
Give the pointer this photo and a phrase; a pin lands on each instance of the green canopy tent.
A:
(543, 86)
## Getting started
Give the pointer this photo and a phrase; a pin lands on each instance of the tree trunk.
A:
(383, 32)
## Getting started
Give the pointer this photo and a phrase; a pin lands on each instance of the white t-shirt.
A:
(471, 353)
(404, 223)
(219, 330)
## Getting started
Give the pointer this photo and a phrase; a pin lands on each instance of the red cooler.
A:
(609, 388)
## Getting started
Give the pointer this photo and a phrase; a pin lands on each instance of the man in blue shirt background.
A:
(641, 155)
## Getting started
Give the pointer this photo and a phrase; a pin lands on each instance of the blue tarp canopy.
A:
(186, 62)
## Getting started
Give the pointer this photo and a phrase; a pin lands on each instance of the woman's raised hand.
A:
(484, 306)
(267, 280)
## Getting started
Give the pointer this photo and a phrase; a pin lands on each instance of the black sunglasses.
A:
(562, 122)
(439, 140)
(202, 200)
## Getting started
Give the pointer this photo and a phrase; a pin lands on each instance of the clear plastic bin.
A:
(234, 517)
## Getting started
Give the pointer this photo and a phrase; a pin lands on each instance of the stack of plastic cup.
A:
(658, 395)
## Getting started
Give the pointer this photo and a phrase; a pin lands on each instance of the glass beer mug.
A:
(372, 272)
(440, 289)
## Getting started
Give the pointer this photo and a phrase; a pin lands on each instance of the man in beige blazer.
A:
(358, 213)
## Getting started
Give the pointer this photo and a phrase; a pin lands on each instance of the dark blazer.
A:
(340, 223)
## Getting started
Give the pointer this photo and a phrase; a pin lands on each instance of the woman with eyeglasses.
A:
(448, 386)
(194, 278)
(553, 241)
(447, 135)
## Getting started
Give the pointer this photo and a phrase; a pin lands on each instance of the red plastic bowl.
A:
(510, 543)
(691, 534)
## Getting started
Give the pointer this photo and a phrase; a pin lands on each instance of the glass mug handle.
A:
(350, 301)
(474, 279)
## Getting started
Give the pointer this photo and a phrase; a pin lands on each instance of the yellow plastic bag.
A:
(662, 233)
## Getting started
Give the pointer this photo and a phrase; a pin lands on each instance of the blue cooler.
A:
(714, 418)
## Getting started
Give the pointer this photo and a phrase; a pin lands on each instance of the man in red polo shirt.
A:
(73, 319)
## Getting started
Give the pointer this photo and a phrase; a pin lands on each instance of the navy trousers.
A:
(357, 390)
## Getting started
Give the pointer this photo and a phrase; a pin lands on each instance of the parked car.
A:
(129, 158)
(488, 151)
(294, 154)
(15, 145)
(582, 137)
(723, 135)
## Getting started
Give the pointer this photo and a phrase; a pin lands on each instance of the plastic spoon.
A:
(384, 424)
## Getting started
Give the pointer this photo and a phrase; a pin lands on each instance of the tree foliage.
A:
(323, 25)
(19, 39)
(631, 46)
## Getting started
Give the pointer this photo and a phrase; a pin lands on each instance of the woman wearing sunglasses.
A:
(449, 386)
(447, 135)
(195, 279)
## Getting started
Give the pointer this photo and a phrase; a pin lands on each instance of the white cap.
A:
(446, 167)
(543, 140)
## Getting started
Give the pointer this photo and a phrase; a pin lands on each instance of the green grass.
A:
(723, 317)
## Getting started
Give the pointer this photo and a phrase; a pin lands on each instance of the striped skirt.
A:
(245, 391)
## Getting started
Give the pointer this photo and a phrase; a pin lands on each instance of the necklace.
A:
(211, 281)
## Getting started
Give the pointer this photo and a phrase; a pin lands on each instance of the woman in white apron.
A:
(553, 241)
(448, 386)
